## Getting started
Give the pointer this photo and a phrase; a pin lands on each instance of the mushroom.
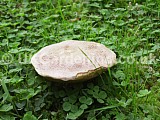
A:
(73, 60)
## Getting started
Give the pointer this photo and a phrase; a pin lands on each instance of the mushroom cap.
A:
(73, 60)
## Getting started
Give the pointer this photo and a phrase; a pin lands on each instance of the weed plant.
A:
(128, 91)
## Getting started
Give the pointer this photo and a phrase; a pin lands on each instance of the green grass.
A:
(128, 91)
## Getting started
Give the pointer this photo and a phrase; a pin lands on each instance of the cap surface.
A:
(73, 60)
